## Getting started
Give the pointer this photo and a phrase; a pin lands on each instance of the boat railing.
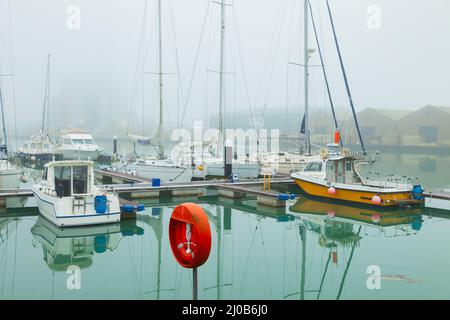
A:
(376, 179)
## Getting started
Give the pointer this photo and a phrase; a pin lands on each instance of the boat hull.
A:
(62, 212)
(388, 198)
(244, 170)
(10, 178)
(68, 154)
(164, 173)
(37, 160)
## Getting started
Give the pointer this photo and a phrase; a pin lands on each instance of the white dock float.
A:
(437, 200)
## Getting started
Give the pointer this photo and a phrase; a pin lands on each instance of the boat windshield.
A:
(313, 166)
(78, 141)
(63, 186)
(80, 178)
(71, 180)
(89, 141)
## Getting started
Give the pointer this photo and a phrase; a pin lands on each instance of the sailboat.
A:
(215, 165)
(10, 174)
(159, 166)
(40, 149)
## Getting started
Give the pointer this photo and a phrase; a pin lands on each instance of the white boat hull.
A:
(165, 173)
(79, 154)
(62, 212)
(10, 177)
(244, 170)
(441, 201)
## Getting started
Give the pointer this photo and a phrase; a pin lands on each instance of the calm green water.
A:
(311, 250)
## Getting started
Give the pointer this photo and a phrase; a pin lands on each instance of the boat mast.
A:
(2, 109)
(222, 57)
(160, 74)
(307, 138)
(46, 98)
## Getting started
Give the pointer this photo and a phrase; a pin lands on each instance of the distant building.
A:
(429, 125)
(377, 126)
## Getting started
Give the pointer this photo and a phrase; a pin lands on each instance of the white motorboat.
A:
(38, 150)
(439, 199)
(67, 195)
(75, 143)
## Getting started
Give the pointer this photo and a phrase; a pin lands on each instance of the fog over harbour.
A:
(399, 61)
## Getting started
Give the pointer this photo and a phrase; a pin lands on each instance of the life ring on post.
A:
(190, 235)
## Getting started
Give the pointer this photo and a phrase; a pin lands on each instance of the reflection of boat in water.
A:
(340, 229)
(355, 214)
(63, 247)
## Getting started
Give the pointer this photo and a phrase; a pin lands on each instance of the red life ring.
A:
(190, 235)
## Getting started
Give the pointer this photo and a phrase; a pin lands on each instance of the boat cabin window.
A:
(80, 179)
(348, 166)
(78, 141)
(71, 180)
(89, 141)
(63, 183)
(44, 174)
(313, 166)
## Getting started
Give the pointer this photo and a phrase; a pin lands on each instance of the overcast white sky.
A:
(402, 64)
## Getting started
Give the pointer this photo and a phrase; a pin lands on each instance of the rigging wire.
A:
(277, 46)
(179, 82)
(322, 62)
(347, 86)
(12, 71)
(235, 18)
(188, 94)
(137, 74)
(269, 52)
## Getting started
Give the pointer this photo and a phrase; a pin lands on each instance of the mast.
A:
(46, 97)
(160, 74)
(347, 86)
(302, 231)
(307, 138)
(2, 109)
(222, 60)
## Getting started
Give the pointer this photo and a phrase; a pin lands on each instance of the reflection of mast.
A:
(219, 251)
(302, 231)
(158, 233)
(156, 225)
(324, 274)
(341, 287)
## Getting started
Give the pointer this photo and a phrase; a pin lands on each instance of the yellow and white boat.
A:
(335, 177)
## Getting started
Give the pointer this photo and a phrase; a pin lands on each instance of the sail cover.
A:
(302, 127)
(140, 139)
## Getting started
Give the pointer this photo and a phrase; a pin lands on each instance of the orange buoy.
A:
(190, 235)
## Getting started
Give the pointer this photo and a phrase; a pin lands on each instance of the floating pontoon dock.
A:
(139, 187)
